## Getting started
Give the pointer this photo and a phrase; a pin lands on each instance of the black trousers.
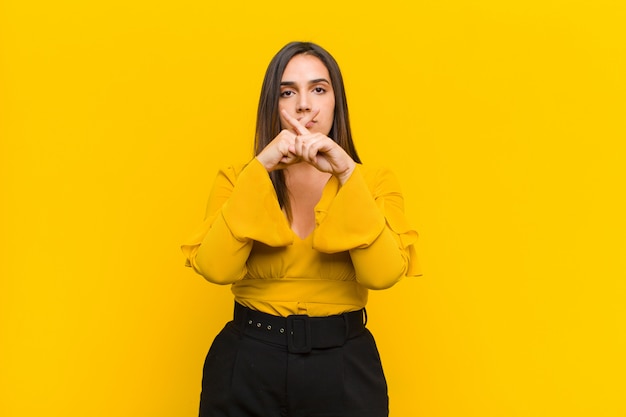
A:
(247, 374)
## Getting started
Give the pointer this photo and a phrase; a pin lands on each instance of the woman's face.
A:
(305, 88)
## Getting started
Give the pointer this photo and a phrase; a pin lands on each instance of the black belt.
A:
(300, 333)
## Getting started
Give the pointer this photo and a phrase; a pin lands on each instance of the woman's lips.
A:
(308, 124)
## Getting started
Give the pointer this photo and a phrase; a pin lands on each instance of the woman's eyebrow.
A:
(315, 81)
(319, 80)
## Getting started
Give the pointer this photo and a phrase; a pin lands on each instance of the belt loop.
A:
(238, 314)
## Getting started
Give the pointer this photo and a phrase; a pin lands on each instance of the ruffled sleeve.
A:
(366, 217)
(243, 207)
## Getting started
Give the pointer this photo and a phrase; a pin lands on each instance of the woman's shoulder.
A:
(375, 173)
(380, 179)
(234, 170)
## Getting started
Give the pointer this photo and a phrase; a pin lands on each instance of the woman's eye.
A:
(319, 90)
(287, 93)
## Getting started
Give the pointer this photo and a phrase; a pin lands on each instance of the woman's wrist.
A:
(345, 175)
(262, 162)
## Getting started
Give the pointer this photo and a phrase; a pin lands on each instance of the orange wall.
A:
(503, 120)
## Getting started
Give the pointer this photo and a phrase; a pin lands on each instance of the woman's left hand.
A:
(320, 151)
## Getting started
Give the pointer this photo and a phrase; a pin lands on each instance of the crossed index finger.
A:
(297, 126)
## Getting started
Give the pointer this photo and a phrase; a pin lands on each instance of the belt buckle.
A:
(299, 333)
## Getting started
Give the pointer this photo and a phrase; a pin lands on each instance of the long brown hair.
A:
(268, 120)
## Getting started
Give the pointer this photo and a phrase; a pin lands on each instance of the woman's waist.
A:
(315, 297)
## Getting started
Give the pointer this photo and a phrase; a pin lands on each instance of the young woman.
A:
(301, 232)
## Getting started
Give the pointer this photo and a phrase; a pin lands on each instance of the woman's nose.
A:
(303, 103)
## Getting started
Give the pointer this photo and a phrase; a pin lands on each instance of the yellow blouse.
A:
(361, 241)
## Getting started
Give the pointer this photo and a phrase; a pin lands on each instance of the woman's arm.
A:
(366, 218)
(242, 208)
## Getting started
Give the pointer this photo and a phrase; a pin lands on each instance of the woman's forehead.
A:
(305, 67)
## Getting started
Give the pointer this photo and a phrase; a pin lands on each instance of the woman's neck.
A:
(305, 185)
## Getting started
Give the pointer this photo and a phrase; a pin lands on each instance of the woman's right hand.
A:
(276, 154)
